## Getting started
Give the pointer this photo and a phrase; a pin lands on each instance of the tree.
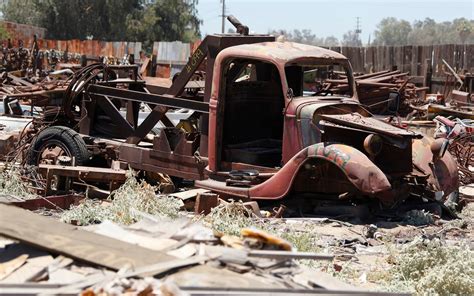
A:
(391, 31)
(351, 38)
(165, 20)
(305, 36)
(331, 41)
(21, 11)
(465, 29)
(126, 20)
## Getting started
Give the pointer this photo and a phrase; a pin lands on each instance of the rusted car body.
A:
(259, 132)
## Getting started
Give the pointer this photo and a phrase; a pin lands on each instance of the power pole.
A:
(358, 30)
(223, 16)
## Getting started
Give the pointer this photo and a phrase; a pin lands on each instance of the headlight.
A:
(373, 144)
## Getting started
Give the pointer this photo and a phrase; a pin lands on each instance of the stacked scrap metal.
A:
(374, 89)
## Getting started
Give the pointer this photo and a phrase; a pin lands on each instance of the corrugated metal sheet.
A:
(175, 52)
(23, 32)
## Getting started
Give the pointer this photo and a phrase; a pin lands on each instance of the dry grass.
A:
(12, 184)
(124, 205)
(430, 267)
(230, 218)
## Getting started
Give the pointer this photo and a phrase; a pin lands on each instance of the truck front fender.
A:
(356, 166)
(443, 172)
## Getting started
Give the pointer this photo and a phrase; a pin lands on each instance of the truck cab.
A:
(276, 129)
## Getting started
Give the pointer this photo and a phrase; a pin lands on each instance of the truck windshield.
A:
(317, 79)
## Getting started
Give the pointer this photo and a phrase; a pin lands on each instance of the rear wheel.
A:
(57, 141)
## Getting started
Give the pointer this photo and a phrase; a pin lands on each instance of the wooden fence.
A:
(413, 59)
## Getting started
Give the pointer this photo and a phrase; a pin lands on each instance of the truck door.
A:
(253, 114)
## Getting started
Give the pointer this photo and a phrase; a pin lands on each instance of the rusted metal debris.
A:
(460, 134)
(374, 90)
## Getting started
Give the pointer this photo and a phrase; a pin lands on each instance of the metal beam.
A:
(163, 100)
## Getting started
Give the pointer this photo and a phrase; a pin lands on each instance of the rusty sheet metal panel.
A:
(23, 32)
(107, 49)
(133, 48)
(175, 52)
(62, 45)
(163, 71)
(138, 48)
(118, 49)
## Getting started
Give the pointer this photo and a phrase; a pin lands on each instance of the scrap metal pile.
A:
(460, 134)
(374, 90)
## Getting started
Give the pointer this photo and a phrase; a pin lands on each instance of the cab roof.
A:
(281, 52)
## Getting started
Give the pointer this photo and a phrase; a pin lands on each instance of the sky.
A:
(325, 17)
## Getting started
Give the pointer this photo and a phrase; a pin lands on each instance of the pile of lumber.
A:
(374, 89)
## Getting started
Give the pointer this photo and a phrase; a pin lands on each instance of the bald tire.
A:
(67, 137)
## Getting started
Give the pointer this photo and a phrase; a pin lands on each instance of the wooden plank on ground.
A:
(60, 238)
(188, 194)
(32, 267)
(10, 266)
(318, 278)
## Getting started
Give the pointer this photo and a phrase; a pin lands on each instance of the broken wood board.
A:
(112, 230)
(32, 267)
(188, 194)
(207, 276)
(10, 266)
(60, 238)
(316, 278)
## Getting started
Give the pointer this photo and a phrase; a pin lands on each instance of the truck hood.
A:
(360, 122)
(349, 114)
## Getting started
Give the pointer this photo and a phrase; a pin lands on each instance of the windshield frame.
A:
(324, 61)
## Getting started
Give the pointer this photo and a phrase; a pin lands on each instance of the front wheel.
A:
(56, 141)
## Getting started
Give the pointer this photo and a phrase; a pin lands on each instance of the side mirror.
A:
(393, 102)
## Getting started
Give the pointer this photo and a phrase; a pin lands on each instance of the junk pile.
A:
(460, 134)
(455, 99)
(374, 90)
(154, 256)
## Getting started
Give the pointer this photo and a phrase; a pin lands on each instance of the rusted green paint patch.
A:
(331, 153)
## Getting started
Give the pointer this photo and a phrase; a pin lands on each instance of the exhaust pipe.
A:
(241, 29)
